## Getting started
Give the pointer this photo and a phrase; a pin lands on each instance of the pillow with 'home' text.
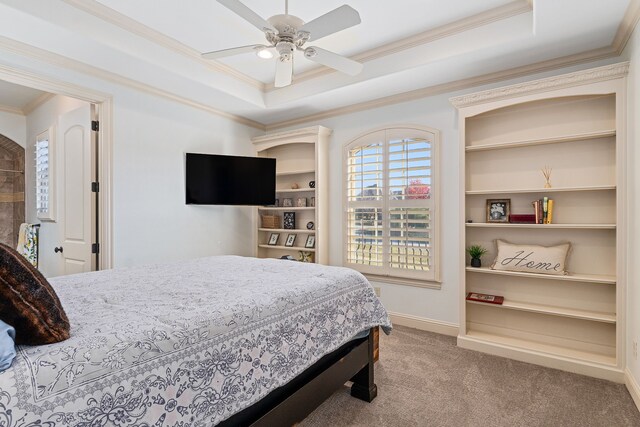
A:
(531, 258)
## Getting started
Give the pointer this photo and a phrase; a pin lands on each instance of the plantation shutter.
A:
(410, 242)
(44, 196)
(390, 219)
(365, 194)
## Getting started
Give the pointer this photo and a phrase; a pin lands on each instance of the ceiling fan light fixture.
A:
(287, 33)
(264, 53)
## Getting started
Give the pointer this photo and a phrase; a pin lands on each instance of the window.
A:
(390, 212)
(44, 176)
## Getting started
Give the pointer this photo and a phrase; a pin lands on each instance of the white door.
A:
(75, 172)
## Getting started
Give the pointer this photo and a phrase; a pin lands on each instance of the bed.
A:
(221, 340)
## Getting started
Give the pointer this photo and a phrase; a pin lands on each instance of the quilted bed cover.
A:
(184, 344)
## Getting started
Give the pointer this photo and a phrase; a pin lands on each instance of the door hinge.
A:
(95, 187)
(95, 125)
(95, 248)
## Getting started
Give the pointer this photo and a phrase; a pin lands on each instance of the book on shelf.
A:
(522, 219)
(490, 299)
(543, 211)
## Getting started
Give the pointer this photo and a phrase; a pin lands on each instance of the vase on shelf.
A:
(475, 262)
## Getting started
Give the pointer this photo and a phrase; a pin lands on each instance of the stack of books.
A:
(543, 210)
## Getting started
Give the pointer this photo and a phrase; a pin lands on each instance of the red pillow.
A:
(28, 302)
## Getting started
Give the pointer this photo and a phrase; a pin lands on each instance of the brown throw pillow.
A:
(28, 302)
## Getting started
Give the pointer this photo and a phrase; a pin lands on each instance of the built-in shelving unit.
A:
(301, 157)
(543, 226)
(587, 278)
(574, 124)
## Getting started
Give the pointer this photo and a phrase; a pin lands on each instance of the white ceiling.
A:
(158, 43)
(17, 97)
(213, 27)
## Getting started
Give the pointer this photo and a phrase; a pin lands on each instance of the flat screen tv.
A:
(213, 179)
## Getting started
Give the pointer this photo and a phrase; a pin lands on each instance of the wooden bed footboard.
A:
(291, 403)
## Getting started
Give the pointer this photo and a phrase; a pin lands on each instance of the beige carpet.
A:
(425, 380)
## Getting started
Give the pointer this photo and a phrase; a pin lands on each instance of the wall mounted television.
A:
(213, 179)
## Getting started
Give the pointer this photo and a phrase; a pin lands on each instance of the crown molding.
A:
(626, 27)
(31, 106)
(130, 25)
(11, 110)
(33, 52)
(457, 27)
(593, 75)
(498, 76)
(296, 133)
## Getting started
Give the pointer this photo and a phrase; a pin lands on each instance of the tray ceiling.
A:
(406, 46)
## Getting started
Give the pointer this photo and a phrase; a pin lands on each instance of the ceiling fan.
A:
(287, 33)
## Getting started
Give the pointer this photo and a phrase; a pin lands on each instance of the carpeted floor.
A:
(425, 380)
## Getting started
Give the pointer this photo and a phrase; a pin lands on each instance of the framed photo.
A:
(311, 241)
(273, 239)
(291, 239)
(301, 202)
(498, 210)
(287, 203)
(289, 220)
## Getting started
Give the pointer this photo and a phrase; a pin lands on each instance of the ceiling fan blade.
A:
(337, 20)
(232, 51)
(333, 60)
(284, 72)
(249, 15)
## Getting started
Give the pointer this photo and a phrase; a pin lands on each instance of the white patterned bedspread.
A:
(185, 344)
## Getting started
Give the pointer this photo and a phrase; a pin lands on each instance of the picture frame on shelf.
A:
(273, 239)
(311, 242)
(289, 220)
(287, 203)
(498, 210)
(301, 202)
(291, 239)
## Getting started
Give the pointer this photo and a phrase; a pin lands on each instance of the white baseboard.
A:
(424, 324)
(632, 386)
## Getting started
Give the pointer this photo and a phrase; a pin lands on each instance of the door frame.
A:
(104, 109)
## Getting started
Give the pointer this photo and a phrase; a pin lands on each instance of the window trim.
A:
(410, 280)
(49, 135)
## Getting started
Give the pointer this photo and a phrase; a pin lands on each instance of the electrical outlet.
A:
(635, 350)
(377, 290)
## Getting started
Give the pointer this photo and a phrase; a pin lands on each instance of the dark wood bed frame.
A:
(291, 403)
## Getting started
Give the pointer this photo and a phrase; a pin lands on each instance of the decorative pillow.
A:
(531, 258)
(28, 302)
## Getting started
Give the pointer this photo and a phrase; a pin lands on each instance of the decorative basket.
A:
(270, 221)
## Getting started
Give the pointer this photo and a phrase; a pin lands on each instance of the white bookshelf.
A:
(301, 157)
(576, 126)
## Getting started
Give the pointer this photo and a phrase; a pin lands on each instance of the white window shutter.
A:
(390, 212)
(44, 176)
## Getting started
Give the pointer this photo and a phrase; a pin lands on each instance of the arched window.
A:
(391, 195)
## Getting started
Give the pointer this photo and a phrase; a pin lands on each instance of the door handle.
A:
(56, 250)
